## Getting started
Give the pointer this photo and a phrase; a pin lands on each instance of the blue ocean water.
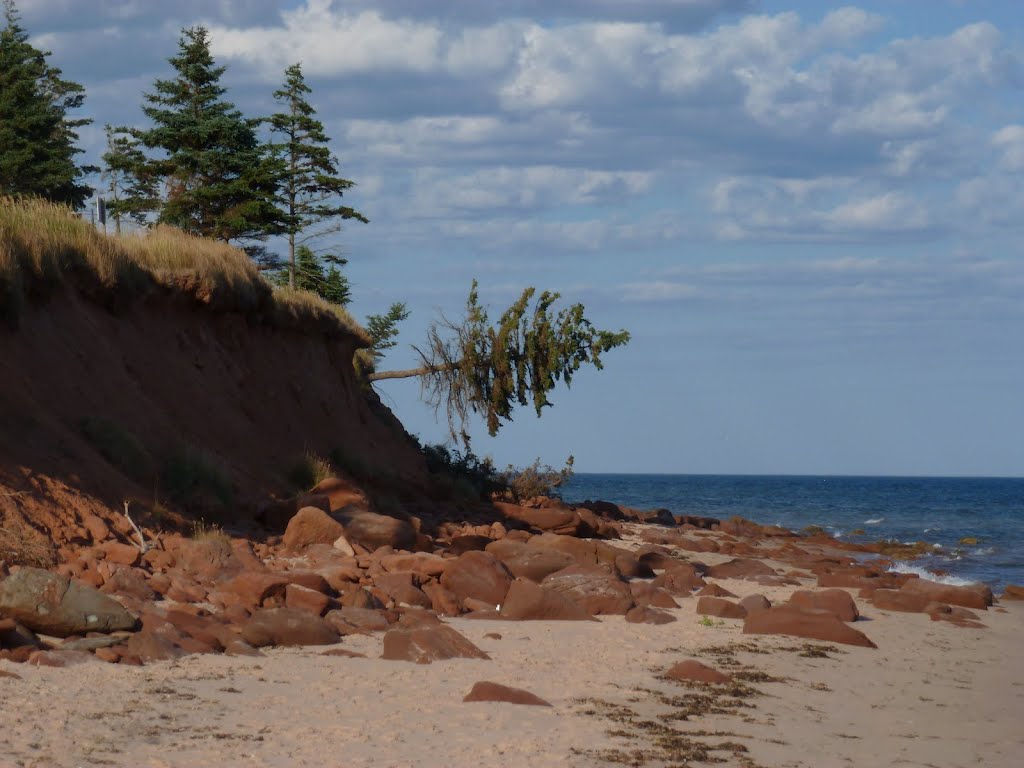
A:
(938, 510)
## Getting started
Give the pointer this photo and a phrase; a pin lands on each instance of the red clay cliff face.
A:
(171, 372)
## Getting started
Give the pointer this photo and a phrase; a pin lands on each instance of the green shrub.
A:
(535, 480)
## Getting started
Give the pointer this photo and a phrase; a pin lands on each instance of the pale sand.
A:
(931, 695)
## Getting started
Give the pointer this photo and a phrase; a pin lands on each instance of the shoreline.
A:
(933, 692)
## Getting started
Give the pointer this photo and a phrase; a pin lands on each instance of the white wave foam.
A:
(924, 573)
(874, 521)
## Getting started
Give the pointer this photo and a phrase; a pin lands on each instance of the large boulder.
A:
(477, 575)
(645, 593)
(527, 562)
(740, 568)
(584, 551)
(403, 588)
(835, 601)
(426, 643)
(311, 525)
(488, 691)
(973, 596)
(898, 600)
(755, 603)
(288, 626)
(370, 530)
(55, 605)
(800, 622)
(252, 589)
(721, 608)
(553, 519)
(527, 600)
(598, 589)
(1013, 592)
(679, 580)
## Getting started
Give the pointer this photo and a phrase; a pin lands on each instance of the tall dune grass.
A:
(44, 246)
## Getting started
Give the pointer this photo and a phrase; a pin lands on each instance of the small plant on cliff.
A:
(22, 545)
(472, 367)
(309, 470)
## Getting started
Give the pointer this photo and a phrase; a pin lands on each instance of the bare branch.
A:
(142, 545)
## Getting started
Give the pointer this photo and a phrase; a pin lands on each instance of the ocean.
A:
(975, 525)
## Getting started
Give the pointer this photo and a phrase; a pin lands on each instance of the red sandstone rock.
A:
(755, 603)
(835, 601)
(1013, 592)
(353, 621)
(422, 563)
(256, 589)
(584, 551)
(529, 562)
(425, 644)
(488, 691)
(974, 596)
(645, 593)
(720, 607)
(644, 614)
(287, 626)
(714, 590)
(210, 558)
(311, 525)
(898, 600)
(527, 600)
(339, 493)
(56, 605)
(553, 519)
(595, 588)
(402, 588)
(297, 596)
(477, 575)
(468, 543)
(629, 567)
(697, 672)
(130, 582)
(679, 581)
(122, 554)
(740, 568)
(799, 622)
(372, 531)
(442, 601)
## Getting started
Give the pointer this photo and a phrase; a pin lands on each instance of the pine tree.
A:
(218, 181)
(474, 367)
(37, 139)
(130, 188)
(309, 275)
(310, 187)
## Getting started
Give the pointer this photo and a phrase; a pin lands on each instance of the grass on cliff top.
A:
(43, 246)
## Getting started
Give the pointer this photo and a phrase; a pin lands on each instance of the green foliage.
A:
(192, 479)
(131, 190)
(309, 187)
(218, 181)
(383, 329)
(535, 480)
(470, 477)
(479, 479)
(118, 446)
(309, 275)
(473, 367)
(309, 470)
(37, 138)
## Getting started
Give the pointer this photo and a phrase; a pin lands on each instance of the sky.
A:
(809, 215)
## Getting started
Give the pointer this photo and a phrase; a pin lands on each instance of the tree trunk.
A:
(408, 373)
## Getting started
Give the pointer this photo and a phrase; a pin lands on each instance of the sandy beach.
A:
(931, 694)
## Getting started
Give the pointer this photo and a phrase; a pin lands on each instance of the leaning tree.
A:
(473, 367)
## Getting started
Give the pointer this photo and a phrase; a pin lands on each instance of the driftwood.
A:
(142, 545)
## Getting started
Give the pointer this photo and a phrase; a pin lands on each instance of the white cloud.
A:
(1010, 139)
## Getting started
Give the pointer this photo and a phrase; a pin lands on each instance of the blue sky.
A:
(808, 214)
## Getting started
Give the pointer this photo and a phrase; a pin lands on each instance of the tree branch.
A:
(409, 373)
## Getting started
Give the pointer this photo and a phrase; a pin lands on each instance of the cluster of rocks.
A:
(341, 569)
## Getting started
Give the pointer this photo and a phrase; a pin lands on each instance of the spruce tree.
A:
(218, 181)
(37, 138)
(310, 188)
(131, 191)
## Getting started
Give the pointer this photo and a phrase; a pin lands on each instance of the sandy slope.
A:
(931, 695)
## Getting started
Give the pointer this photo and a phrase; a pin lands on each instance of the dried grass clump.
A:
(22, 545)
(44, 246)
